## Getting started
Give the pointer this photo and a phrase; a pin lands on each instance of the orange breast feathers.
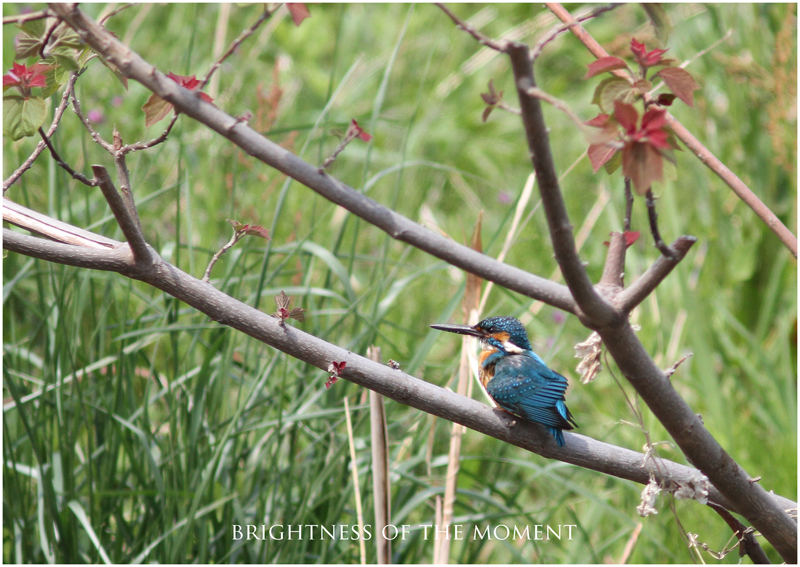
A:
(486, 373)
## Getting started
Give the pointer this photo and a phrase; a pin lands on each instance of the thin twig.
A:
(154, 142)
(76, 108)
(748, 544)
(559, 104)
(265, 15)
(127, 221)
(113, 13)
(628, 205)
(634, 294)
(22, 18)
(652, 215)
(500, 46)
(124, 180)
(558, 30)
(234, 239)
(671, 370)
(75, 175)
(47, 37)
(41, 145)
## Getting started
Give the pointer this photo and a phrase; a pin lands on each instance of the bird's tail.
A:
(558, 435)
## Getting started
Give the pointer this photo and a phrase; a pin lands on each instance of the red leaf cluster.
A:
(648, 58)
(334, 369)
(641, 143)
(156, 108)
(190, 83)
(24, 77)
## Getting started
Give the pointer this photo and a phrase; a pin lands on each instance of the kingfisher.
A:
(515, 377)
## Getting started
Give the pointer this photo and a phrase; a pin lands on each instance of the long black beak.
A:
(460, 329)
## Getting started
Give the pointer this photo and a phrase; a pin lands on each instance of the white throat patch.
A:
(510, 347)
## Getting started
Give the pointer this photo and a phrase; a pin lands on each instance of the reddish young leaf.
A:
(156, 108)
(643, 164)
(646, 58)
(299, 12)
(599, 154)
(680, 82)
(334, 369)
(256, 230)
(190, 83)
(598, 121)
(282, 301)
(652, 129)
(24, 77)
(604, 65)
(356, 131)
(626, 115)
(631, 236)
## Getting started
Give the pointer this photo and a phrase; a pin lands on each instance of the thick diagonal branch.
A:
(394, 384)
(599, 312)
(256, 145)
(653, 386)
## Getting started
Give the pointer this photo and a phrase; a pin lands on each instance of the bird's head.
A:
(503, 333)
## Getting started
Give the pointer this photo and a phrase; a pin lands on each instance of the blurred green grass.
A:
(179, 428)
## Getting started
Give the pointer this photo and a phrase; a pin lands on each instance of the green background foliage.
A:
(162, 429)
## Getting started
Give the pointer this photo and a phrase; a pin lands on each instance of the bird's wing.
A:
(527, 387)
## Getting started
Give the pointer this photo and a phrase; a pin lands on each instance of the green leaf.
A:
(34, 28)
(22, 116)
(67, 62)
(611, 89)
(613, 164)
(26, 46)
(114, 69)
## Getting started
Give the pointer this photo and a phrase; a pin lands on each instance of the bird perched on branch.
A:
(515, 377)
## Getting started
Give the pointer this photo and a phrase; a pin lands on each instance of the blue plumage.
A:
(515, 377)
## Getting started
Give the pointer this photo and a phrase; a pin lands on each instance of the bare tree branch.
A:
(634, 294)
(127, 221)
(57, 158)
(470, 29)
(653, 386)
(394, 384)
(614, 268)
(599, 312)
(22, 18)
(265, 15)
(256, 145)
(52, 228)
(558, 30)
